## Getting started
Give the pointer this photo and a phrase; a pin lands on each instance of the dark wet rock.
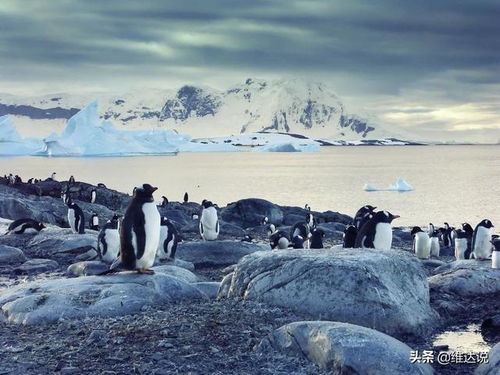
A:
(179, 217)
(11, 255)
(490, 328)
(88, 255)
(250, 212)
(231, 230)
(37, 266)
(210, 288)
(403, 234)
(331, 216)
(344, 348)
(86, 268)
(493, 367)
(432, 264)
(116, 295)
(291, 219)
(216, 253)
(383, 290)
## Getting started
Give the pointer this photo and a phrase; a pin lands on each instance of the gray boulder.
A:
(86, 268)
(106, 296)
(52, 241)
(179, 272)
(210, 288)
(216, 253)
(383, 290)
(342, 348)
(37, 265)
(9, 254)
(176, 262)
(493, 366)
(291, 219)
(250, 212)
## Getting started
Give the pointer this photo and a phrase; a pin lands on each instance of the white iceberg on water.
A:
(288, 147)
(401, 185)
(11, 143)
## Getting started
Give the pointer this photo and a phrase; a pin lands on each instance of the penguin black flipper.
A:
(140, 236)
(201, 228)
(217, 226)
(104, 244)
(127, 255)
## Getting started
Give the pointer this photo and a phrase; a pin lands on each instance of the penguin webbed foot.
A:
(145, 271)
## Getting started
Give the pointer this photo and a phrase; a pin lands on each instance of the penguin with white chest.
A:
(76, 219)
(94, 222)
(300, 231)
(481, 240)
(209, 222)
(461, 244)
(140, 232)
(435, 247)
(421, 243)
(93, 195)
(495, 254)
(169, 238)
(21, 226)
(446, 235)
(108, 240)
(377, 232)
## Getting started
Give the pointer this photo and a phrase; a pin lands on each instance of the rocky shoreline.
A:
(226, 306)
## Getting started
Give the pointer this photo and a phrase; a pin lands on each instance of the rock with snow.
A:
(343, 348)
(10, 255)
(216, 253)
(383, 290)
(37, 265)
(125, 293)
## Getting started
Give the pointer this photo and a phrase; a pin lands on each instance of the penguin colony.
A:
(134, 241)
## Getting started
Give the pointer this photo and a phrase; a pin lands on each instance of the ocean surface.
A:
(452, 183)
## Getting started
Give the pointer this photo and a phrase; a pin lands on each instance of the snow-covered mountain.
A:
(283, 106)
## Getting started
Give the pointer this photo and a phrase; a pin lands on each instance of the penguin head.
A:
(369, 208)
(350, 229)
(415, 230)
(384, 217)
(461, 233)
(486, 223)
(495, 240)
(446, 226)
(145, 192)
(467, 227)
(206, 204)
(271, 229)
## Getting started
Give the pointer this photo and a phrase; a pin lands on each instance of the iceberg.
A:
(288, 147)
(401, 186)
(11, 143)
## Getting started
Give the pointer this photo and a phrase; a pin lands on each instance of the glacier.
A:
(11, 143)
(401, 186)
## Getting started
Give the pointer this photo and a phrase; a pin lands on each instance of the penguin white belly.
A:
(209, 222)
(163, 236)
(95, 221)
(152, 233)
(495, 259)
(435, 249)
(92, 197)
(112, 238)
(422, 245)
(482, 246)
(71, 219)
(460, 248)
(383, 236)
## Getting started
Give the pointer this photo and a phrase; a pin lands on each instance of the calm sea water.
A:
(452, 183)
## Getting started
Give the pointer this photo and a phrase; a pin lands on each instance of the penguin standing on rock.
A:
(21, 226)
(164, 201)
(71, 180)
(317, 235)
(435, 247)
(430, 229)
(186, 197)
(278, 239)
(298, 242)
(169, 238)
(349, 238)
(209, 222)
(364, 214)
(303, 230)
(311, 220)
(481, 240)
(446, 235)
(94, 222)
(76, 218)
(108, 240)
(469, 232)
(93, 195)
(139, 232)
(52, 177)
(460, 245)
(495, 254)
(421, 243)
(377, 232)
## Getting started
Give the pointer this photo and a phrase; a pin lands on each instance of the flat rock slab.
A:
(344, 348)
(216, 253)
(86, 268)
(53, 241)
(177, 262)
(37, 265)
(9, 254)
(493, 367)
(179, 272)
(383, 290)
(115, 295)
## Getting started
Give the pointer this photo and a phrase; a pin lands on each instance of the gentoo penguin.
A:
(71, 180)
(209, 221)
(93, 195)
(139, 232)
(421, 243)
(271, 228)
(310, 220)
(279, 239)
(264, 220)
(108, 240)
(446, 235)
(430, 229)
(317, 235)
(94, 222)
(76, 219)
(21, 226)
(349, 238)
(101, 185)
(303, 230)
(195, 216)
(307, 207)
(481, 240)
(169, 237)
(495, 254)
(377, 232)
(364, 214)
(65, 195)
(30, 181)
(467, 228)
(186, 197)
(52, 177)
(18, 180)
(460, 244)
(298, 242)
(164, 201)
(435, 247)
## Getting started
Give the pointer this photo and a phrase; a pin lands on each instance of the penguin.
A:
(101, 185)
(169, 238)
(421, 243)
(30, 181)
(301, 229)
(12, 179)
(21, 226)
(18, 180)
(453, 235)
(307, 207)
(481, 240)
(298, 242)
(195, 216)
(108, 240)
(93, 195)
(52, 177)
(209, 222)
(317, 235)
(65, 195)
(164, 201)
(430, 229)
(139, 232)
(186, 197)
(279, 239)
(76, 218)
(435, 247)
(94, 222)
(377, 232)
(364, 214)
(264, 221)
(271, 228)
(495, 254)
(310, 220)
(446, 235)
(71, 180)
(467, 228)
(460, 244)
(349, 238)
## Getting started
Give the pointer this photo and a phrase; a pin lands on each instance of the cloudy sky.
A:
(431, 64)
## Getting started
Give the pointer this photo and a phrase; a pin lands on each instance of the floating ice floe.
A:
(288, 147)
(11, 143)
(401, 185)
